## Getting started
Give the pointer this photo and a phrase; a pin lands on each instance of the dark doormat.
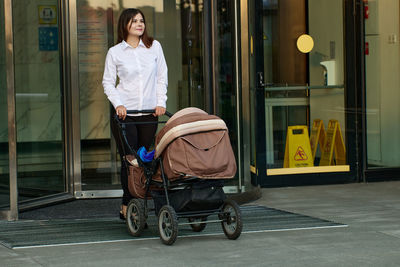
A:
(33, 233)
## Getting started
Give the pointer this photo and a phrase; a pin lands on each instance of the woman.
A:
(139, 63)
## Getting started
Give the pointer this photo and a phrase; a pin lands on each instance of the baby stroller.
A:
(193, 156)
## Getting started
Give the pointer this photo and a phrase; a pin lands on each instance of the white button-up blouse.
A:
(142, 74)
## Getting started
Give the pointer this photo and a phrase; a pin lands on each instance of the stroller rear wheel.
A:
(232, 219)
(197, 227)
(135, 217)
(167, 225)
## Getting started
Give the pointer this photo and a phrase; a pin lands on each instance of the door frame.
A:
(12, 212)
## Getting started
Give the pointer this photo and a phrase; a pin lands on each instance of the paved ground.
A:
(372, 238)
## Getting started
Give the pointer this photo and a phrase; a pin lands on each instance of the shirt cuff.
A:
(161, 103)
(117, 103)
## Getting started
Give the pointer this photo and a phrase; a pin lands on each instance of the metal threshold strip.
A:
(117, 193)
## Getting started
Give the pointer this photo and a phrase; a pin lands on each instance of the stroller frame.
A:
(229, 214)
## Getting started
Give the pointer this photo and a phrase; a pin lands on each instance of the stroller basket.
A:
(202, 195)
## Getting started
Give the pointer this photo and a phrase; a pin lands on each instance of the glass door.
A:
(382, 64)
(39, 99)
(298, 89)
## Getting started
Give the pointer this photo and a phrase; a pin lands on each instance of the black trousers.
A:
(138, 135)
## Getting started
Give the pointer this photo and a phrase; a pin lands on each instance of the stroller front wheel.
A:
(232, 219)
(135, 217)
(167, 225)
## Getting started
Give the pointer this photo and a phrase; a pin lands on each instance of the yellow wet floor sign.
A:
(317, 136)
(297, 150)
(333, 143)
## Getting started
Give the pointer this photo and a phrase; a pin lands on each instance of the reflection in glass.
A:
(38, 99)
(4, 170)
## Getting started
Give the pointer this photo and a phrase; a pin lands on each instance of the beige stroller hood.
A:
(195, 144)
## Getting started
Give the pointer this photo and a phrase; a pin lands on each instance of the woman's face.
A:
(136, 25)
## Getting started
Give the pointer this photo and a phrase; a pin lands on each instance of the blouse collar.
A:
(126, 45)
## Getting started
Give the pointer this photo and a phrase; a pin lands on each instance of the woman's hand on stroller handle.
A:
(159, 111)
(121, 112)
(121, 119)
(147, 111)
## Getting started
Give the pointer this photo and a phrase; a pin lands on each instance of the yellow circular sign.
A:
(305, 43)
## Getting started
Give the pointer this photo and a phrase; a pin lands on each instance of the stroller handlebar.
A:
(149, 111)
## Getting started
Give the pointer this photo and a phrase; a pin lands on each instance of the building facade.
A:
(308, 89)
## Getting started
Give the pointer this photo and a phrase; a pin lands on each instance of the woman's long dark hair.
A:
(126, 18)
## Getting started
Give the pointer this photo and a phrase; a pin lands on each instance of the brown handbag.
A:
(136, 182)
(137, 179)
